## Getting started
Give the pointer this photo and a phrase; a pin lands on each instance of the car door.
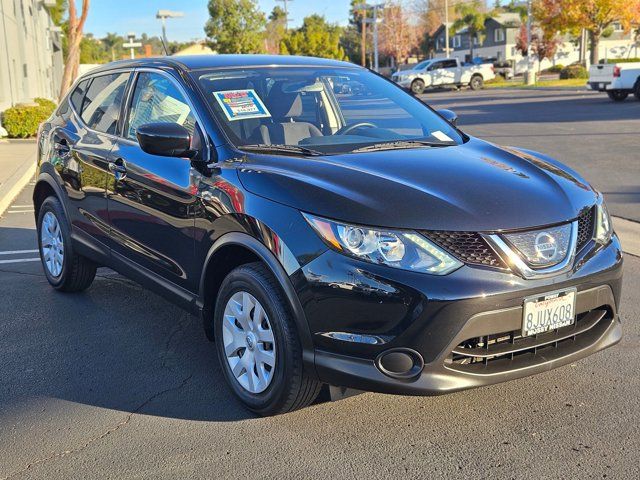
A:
(151, 197)
(82, 146)
(436, 73)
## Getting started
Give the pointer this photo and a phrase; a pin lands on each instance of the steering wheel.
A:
(350, 128)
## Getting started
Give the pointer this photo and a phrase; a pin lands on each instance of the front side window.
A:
(77, 96)
(331, 110)
(157, 99)
(102, 102)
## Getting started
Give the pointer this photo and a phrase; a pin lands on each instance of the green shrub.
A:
(556, 68)
(574, 71)
(623, 60)
(22, 121)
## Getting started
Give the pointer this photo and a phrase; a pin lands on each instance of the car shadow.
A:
(116, 346)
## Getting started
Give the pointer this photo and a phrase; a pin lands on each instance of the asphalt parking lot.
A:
(118, 383)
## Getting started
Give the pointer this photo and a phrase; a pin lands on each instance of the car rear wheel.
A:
(417, 86)
(617, 95)
(476, 83)
(65, 269)
(258, 345)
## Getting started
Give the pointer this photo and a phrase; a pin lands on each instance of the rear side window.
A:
(450, 64)
(77, 95)
(101, 105)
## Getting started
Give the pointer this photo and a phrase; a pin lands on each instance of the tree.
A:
(472, 17)
(275, 30)
(543, 44)
(75, 30)
(398, 36)
(235, 26)
(315, 38)
(595, 16)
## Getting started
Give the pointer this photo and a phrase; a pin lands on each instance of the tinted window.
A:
(101, 106)
(157, 100)
(435, 66)
(77, 95)
(449, 64)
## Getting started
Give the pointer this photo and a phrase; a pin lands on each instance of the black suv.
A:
(328, 227)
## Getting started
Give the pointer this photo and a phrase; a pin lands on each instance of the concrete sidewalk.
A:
(17, 167)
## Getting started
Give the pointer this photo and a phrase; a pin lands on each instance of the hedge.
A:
(574, 71)
(22, 121)
(623, 60)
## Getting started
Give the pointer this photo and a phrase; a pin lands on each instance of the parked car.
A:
(441, 72)
(617, 79)
(355, 241)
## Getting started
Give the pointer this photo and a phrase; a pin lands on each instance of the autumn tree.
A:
(398, 36)
(74, 33)
(235, 26)
(595, 16)
(472, 17)
(544, 44)
(315, 38)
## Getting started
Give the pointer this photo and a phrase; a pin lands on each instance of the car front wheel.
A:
(258, 345)
(65, 269)
(617, 95)
(417, 86)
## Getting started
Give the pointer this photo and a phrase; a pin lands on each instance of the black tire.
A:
(77, 272)
(636, 89)
(290, 388)
(476, 82)
(617, 95)
(417, 86)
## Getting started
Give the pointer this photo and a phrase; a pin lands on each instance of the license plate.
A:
(548, 312)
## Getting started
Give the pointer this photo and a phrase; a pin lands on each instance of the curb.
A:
(629, 233)
(16, 182)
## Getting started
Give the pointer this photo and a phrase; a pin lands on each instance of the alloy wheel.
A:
(52, 244)
(249, 343)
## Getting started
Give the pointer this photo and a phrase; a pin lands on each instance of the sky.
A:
(124, 16)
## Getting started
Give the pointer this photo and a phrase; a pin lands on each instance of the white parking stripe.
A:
(19, 260)
(21, 206)
(21, 211)
(17, 252)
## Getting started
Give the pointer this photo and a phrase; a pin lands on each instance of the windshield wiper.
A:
(280, 148)
(399, 144)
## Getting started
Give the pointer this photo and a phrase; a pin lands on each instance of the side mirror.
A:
(165, 139)
(449, 116)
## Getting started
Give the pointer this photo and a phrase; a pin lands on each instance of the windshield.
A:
(422, 65)
(327, 110)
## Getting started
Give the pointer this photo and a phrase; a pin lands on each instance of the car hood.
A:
(476, 186)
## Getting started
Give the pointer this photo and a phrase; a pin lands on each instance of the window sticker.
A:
(241, 104)
(441, 136)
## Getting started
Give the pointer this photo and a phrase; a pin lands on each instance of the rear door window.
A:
(101, 105)
(77, 96)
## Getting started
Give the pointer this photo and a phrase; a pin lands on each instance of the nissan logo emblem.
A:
(546, 246)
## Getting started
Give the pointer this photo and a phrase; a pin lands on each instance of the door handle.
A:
(118, 168)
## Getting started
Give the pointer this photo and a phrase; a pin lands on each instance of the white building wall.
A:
(30, 60)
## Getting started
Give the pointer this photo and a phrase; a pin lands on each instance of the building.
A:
(499, 42)
(197, 48)
(30, 52)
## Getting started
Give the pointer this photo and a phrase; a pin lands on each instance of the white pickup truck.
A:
(443, 71)
(617, 79)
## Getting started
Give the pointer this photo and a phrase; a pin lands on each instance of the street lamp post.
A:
(132, 44)
(162, 15)
(530, 77)
(446, 28)
(374, 20)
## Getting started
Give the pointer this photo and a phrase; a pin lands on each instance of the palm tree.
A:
(472, 17)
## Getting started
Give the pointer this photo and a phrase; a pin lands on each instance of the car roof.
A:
(198, 62)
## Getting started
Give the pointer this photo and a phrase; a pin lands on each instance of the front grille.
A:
(509, 350)
(468, 247)
(586, 223)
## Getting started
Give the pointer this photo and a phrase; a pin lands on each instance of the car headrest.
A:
(284, 105)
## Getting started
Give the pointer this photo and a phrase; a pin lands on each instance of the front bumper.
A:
(433, 316)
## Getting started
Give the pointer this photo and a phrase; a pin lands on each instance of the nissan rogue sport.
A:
(328, 227)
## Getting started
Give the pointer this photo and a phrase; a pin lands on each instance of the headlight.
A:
(604, 228)
(405, 250)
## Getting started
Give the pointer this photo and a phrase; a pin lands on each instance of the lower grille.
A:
(468, 247)
(509, 350)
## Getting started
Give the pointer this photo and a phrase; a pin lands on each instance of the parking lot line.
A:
(19, 260)
(17, 252)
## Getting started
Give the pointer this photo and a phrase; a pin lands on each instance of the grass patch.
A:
(571, 82)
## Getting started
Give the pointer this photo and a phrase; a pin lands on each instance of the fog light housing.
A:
(400, 363)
